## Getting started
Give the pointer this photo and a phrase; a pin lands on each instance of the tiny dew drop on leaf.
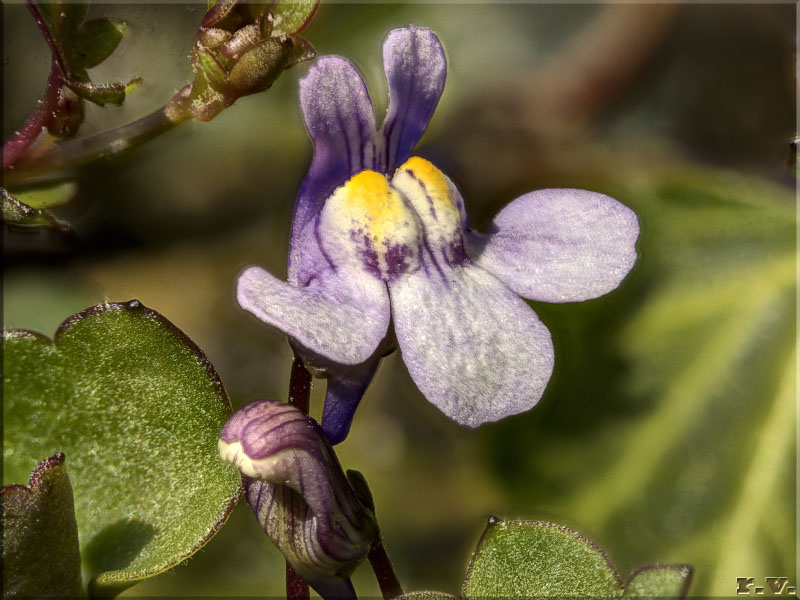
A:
(137, 408)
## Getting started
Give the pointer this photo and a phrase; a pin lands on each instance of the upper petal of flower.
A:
(559, 245)
(416, 69)
(475, 349)
(341, 316)
(340, 120)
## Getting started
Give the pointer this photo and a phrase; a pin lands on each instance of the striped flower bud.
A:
(322, 523)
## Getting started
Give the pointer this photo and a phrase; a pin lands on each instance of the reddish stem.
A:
(384, 572)
(19, 143)
(299, 386)
(296, 586)
(299, 396)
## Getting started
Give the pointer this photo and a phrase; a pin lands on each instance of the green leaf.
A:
(670, 429)
(22, 215)
(538, 559)
(40, 535)
(291, 16)
(96, 41)
(659, 581)
(48, 196)
(138, 409)
(83, 45)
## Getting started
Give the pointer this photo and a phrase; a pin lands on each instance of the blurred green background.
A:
(668, 431)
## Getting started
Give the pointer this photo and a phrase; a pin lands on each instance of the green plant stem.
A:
(384, 572)
(299, 396)
(72, 153)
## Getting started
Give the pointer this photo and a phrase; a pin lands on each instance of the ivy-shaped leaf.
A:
(517, 559)
(138, 409)
(40, 535)
(537, 559)
(671, 426)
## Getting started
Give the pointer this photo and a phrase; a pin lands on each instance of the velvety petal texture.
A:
(342, 317)
(300, 495)
(379, 234)
(474, 349)
(340, 120)
(559, 245)
(416, 69)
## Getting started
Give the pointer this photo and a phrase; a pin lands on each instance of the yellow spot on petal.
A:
(429, 192)
(372, 206)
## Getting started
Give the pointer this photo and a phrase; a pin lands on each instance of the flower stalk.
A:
(384, 572)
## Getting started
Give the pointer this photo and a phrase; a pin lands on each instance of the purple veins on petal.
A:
(299, 493)
(416, 69)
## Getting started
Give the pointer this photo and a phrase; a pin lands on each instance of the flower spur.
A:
(380, 237)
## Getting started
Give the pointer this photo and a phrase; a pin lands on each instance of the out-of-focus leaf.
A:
(138, 409)
(40, 535)
(659, 581)
(49, 196)
(291, 16)
(21, 214)
(516, 559)
(96, 41)
(82, 45)
(669, 427)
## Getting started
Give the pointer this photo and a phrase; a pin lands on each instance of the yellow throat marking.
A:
(370, 202)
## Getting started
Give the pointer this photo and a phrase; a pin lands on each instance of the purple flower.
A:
(321, 520)
(381, 237)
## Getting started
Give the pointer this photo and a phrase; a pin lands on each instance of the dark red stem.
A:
(384, 571)
(299, 386)
(299, 396)
(296, 586)
(19, 143)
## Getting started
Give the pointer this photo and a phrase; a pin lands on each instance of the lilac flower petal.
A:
(342, 396)
(340, 120)
(416, 68)
(474, 348)
(559, 245)
(341, 316)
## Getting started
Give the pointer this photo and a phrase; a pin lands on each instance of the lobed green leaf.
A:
(536, 559)
(40, 535)
(138, 409)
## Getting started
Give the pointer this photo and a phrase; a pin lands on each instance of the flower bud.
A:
(322, 523)
(237, 52)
